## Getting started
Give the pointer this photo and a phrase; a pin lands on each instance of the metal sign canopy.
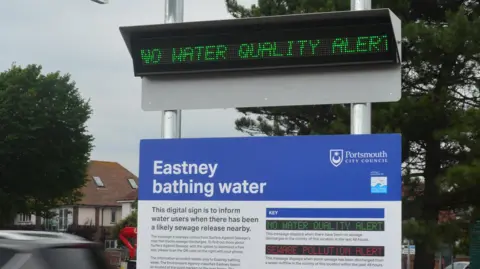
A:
(292, 41)
(304, 59)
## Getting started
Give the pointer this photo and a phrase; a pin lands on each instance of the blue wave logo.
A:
(378, 184)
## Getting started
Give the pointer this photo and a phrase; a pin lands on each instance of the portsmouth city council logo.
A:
(347, 157)
(336, 157)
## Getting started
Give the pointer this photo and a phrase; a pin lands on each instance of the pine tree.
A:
(438, 115)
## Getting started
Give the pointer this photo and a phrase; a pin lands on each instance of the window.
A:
(98, 181)
(5, 256)
(29, 261)
(25, 218)
(63, 219)
(133, 184)
(114, 216)
(21, 261)
(460, 265)
(73, 258)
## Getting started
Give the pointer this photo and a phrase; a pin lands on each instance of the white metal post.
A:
(409, 261)
(172, 119)
(361, 114)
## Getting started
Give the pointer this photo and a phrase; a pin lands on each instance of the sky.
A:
(82, 38)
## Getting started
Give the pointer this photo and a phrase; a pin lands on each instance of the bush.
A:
(86, 231)
(129, 221)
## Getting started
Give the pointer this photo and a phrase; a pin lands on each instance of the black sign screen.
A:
(262, 46)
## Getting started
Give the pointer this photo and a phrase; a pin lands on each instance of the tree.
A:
(45, 146)
(437, 115)
(129, 221)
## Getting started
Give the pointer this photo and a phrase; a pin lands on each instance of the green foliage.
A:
(438, 115)
(272, 7)
(45, 147)
(129, 221)
(135, 204)
(463, 246)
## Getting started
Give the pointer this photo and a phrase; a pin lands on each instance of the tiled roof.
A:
(131, 196)
(115, 178)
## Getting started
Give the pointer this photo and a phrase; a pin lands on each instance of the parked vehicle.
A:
(48, 250)
(459, 265)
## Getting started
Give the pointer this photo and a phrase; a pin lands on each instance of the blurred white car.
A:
(48, 250)
(459, 265)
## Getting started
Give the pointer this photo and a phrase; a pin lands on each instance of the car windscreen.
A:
(73, 258)
(460, 265)
(5, 256)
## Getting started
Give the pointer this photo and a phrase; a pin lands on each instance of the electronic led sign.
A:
(262, 43)
(325, 225)
(325, 250)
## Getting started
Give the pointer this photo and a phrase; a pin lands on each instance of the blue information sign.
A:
(301, 168)
(262, 202)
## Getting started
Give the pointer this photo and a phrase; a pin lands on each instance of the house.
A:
(127, 201)
(107, 183)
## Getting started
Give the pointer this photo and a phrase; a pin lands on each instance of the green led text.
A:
(322, 47)
(151, 56)
(360, 44)
(199, 53)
